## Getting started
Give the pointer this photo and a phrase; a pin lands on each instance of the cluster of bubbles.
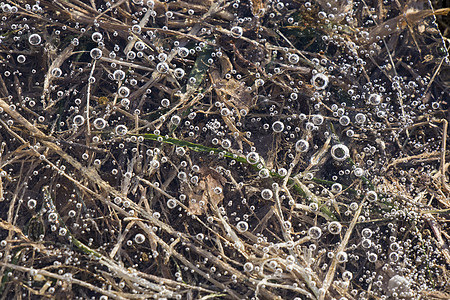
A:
(280, 147)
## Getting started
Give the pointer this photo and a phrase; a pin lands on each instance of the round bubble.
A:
(34, 39)
(253, 158)
(242, 226)
(302, 145)
(236, 31)
(277, 126)
(139, 238)
(121, 130)
(315, 232)
(100, 123)
(319, 81)
(266, 194)
(334, 227)
(96, 53)
(340, 152)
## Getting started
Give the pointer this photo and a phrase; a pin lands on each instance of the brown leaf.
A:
(213, 185)
(237, 93)
(205, 192)
(225, 65)
(198, 199)
(258, 7)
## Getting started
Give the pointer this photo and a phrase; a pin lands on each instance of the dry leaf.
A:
(258, 7)
(237, 94)
(215, 189)
(208, 191)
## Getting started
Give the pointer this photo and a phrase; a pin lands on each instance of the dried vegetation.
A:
(224, 149)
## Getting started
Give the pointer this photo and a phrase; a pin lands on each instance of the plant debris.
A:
(224, 149)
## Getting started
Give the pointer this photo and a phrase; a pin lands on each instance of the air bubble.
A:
(293, 58)
(336, 188)
(226, 143)
(242, 226)
(344, 120)
(264, 173)
(31, 203)
(372, 257)
(178, 73)
(139, 238)
(183, 52)
(301, 146)
(52, 217)
(175, 120)
(21, 59)
(56, 72)
(253, 158)
(340, 152)
(347, 276)
(236, 32)
(366, 233)
(100, 123)
(165, 102)
(266, 194)
(171, 203)
(78, 120)
(341, 256)
(371, 196)
(248, 267)
(315, 232)
(123, 92)
(375, 99)
(320, 81)
(97, 37)
(366, 243)
(121, 130)
(139, 46)
(119, 75)
(278, 126)
(162, 67)
(360, 118)
(136, 29)
(317, 120)
(34, 39)
(359, 172)
(96, 53)
(334, 227)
